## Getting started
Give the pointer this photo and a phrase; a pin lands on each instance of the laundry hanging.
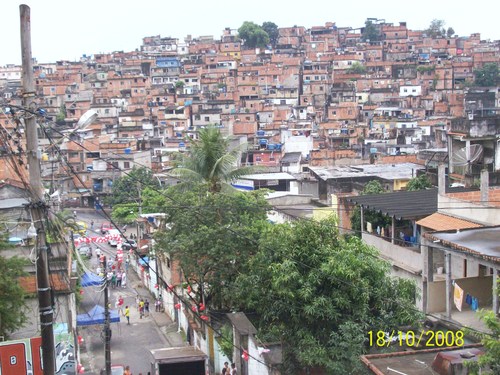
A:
(458, 297)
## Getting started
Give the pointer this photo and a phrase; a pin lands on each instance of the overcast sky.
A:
(67, 29)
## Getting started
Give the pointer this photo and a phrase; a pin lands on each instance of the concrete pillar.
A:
(449, 287)
(236, 349)
(393, 229)
(484, 186)
(442, 179)
(495, 292)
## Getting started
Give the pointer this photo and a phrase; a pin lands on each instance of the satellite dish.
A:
(462, 158)
(87, 119)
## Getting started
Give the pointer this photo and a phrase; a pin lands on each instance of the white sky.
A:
(67, 29)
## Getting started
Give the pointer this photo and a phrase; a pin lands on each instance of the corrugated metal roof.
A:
(401, 204)
(440, 222)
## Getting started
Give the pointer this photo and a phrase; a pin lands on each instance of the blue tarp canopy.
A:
(144, 261)
(90, 279)
(96, 316)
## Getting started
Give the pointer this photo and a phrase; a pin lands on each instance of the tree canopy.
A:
(272, 31)
(125, 189)
(436, 29)
(357, 68)
(320, 293)
(211, 160)
(488, 75)
(253, 35)
(370, 32)
(12, 295)
(212, 236)
(421, 182)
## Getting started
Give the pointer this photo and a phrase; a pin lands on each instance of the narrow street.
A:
(130, 344)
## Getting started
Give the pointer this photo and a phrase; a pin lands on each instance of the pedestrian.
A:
(127, 371)
(233, 369)
(113, 280)
(74, 214)
(146, 307)
(119, 279)
(137, 301)
(225, 369)
(92, 224)
(141, 308)
(120, 304)
(124, 280)
(127, 314)
(157, 305)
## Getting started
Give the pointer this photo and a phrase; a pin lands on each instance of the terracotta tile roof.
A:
(58, 282)
(440, 222)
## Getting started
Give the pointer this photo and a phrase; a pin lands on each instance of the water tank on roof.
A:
(263, 141)
(373, 150)
(182, 145)
(260, 133)
(128, 150)
(271, 146)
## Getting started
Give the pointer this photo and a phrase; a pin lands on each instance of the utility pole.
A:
(37, 205)
(107, 329)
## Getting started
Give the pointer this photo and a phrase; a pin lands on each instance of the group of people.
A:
(226, 370)
(142, 306)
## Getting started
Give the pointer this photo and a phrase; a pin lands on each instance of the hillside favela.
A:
(273, 200)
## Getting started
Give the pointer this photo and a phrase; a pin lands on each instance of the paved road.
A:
(130, 344)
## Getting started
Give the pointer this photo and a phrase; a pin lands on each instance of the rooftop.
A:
(385, 171)
(481, 242)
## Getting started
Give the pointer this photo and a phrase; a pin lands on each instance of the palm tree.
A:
(211, 160)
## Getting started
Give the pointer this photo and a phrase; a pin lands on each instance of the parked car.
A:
(81, 228)
(129, 244)
(85, 250)
(106, 227)
(116, 234)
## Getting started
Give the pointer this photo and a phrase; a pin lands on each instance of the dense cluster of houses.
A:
(326, 111)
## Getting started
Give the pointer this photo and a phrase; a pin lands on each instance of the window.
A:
(126, 165)
(197, 117)
(334, 113)
(321, 88)
(207, 118)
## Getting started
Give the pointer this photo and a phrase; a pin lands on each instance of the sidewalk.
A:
(161, 319)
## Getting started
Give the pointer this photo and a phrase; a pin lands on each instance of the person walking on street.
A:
(120, 305)
(233, 369)
(226, 370)
(92, 224)
(146, 307)
(141, 308)
(127, 314)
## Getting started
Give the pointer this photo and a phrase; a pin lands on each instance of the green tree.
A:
(377, 219)
(421, 182)
(179, 85)
(450, 32)
(436, 29)
(487, 75)
(211, 161)
(125, 193)
(357, 68)
(253, 35)
(272, 31)
(212, 236)
(12, 295)
(61, 115)
(370, 32)
(320, 294)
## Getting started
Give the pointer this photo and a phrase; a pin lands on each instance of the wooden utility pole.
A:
(37, 205)
(107, 329)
